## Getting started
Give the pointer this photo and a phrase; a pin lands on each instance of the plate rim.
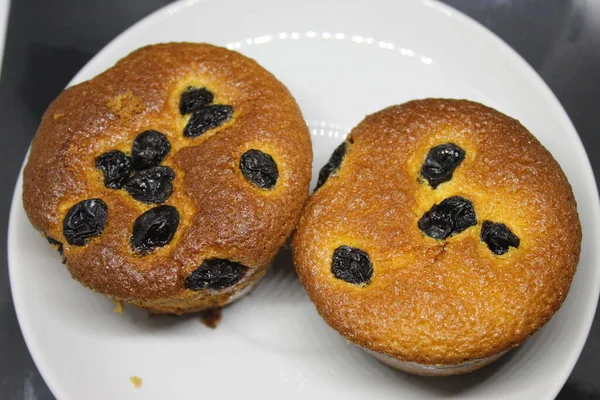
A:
(516, 60)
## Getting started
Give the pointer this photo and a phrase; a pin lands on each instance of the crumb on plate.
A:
(118, 306)
(137, 381)
(211, 318)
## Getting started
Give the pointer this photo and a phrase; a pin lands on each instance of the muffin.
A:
(171, 180)
(441, 235)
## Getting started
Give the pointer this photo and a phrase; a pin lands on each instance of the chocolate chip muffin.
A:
(441, 235)
(171, 180)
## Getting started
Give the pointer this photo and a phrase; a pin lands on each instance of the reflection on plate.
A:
(273, 342)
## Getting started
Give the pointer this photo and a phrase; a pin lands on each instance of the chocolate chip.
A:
(194, 98)
(332, 165)
(440, 163)
(149, 149)
(152, 185)
(206, 118)
(451, 216)
(259, 168)
(115, 166)
(351, 265)
(216, 274)
(154, 228)
(84, 221)
(56, 244)
(498, 237)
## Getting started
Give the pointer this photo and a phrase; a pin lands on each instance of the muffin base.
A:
(179, 306)
(435, 370)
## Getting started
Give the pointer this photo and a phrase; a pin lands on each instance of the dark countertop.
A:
(48, 42)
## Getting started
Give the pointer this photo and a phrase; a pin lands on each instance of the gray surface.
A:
(47, 43)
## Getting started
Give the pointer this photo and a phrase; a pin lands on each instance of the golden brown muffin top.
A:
(222, 214)
(440, 301)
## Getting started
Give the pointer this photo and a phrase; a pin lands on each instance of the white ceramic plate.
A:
(341, 60)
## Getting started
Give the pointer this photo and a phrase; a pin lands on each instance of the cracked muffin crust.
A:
(171, 180)
(441, 235)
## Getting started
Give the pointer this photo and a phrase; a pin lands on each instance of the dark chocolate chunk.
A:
(56, 244)
(332, 165)
(216, 274)
(440, 163)
(154, 228)
(152, 185)
(451, 216)
(84, 221)
(498, 237)
(115, 166)
(351, 265)
(194, 98)
(149, 149)
(206, 118)
(259, 168)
